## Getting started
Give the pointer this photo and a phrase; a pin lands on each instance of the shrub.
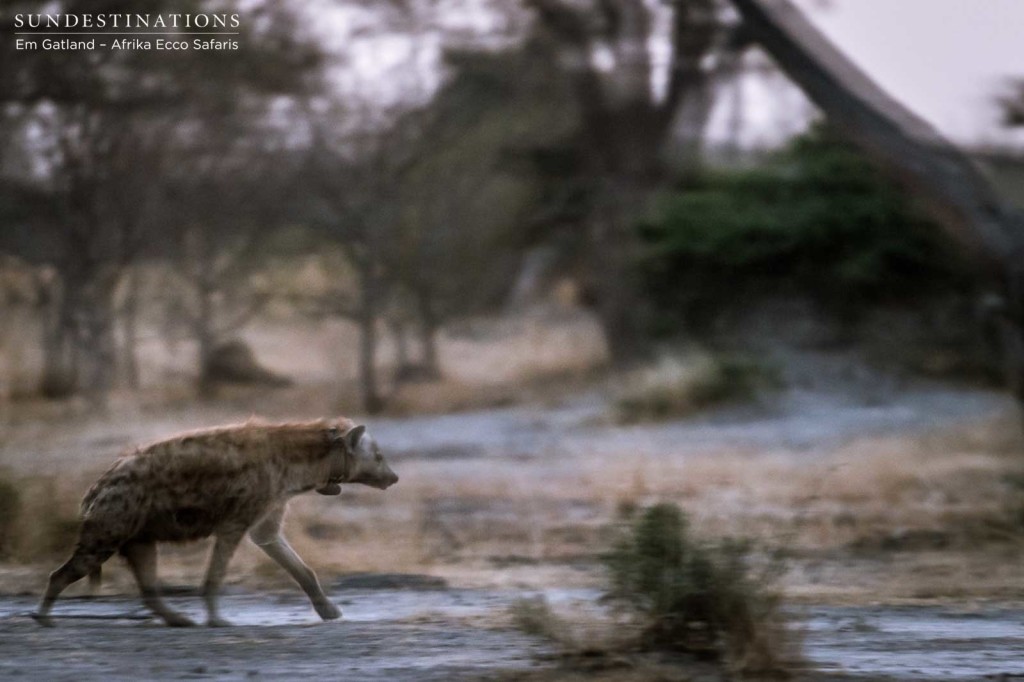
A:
(697, 597)
(676, 385)
(817, 220)
(533, 616)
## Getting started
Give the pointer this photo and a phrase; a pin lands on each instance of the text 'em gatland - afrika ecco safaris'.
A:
(109, 31)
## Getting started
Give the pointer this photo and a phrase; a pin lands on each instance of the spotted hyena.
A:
(222, 482)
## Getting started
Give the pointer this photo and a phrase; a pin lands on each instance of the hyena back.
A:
(223, 482)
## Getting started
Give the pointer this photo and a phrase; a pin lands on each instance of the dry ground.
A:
(523, 495)
(518, 493)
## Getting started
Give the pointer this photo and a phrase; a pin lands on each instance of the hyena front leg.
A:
(141, 557)
(267, 536)
(223, 549)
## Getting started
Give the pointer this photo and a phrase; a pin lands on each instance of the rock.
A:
(233, 362)
(410, 373)
(390, 581)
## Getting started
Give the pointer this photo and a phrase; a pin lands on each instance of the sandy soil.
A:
(461, 635)
(384, 636)
(896, 508)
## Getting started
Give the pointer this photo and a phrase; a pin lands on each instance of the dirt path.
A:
(456, 635)
(462, 634)
(935, 643)
(385, 635)
(792, 420)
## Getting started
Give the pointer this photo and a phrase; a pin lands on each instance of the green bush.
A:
(533, 616)
(697, 597)
(817, 220)
(677, 385)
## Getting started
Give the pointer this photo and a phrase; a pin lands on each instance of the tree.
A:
(459, 234)
(939, 176)
(353, 165)
(228, 188)
(611, 157)
(1011, 102)
(625, 123)
(84, 119)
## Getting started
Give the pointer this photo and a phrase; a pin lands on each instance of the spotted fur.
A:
(222, 482)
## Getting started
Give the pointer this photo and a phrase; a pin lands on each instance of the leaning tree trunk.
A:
(941, 178)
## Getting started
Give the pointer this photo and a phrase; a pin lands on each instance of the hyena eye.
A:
(379, 457)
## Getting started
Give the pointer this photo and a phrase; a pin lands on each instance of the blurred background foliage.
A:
(386, 167)
(813, 220)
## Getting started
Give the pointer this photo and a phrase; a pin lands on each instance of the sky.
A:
(945, 59)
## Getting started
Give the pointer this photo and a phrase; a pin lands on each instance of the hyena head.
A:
(363, 461)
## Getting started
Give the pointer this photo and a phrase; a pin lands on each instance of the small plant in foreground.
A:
(695, 596)
(533, 616)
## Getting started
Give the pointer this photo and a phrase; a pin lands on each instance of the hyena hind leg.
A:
(223, 548)
(141, 558)
(83, 562)
(95, 580)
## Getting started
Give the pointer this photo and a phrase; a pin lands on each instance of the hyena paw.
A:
(217, 622)
(328, 611)
(176, 620)
(43, 620)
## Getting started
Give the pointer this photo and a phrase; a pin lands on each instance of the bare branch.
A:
(567, 24)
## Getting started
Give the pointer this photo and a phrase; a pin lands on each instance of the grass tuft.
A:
(534, 616)
(695, 596)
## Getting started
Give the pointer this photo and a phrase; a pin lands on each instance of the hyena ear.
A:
(353, 436)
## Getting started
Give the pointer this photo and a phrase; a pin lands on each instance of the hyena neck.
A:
(304, 455)
(305, 477)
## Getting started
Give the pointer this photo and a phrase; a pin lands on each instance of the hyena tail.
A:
(95, 579)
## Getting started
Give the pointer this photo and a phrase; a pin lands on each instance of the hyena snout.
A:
(369, 468)
(386, 477)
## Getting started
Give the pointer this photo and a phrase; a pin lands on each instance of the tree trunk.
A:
(401, 340)
(939, 176)
(428, 333)
(80, 346)
(620, 303)
(368, 304)
(95, 337)
(129, 332)
(59, 372)
(204, 332)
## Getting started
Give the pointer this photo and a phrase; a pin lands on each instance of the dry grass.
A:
(485, 362)
(950, 503)
(533, 615)
(690, 594)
